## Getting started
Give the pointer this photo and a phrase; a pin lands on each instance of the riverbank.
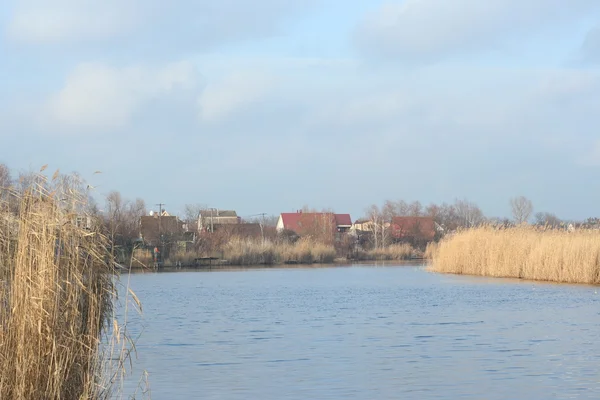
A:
(250, 252)
(522, 252)
(339, 263)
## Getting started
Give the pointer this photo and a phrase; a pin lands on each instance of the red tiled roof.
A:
(420, 227)
(301, 222)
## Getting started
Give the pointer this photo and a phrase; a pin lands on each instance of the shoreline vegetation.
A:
(255, 252)
(523, 252)
(58, 335)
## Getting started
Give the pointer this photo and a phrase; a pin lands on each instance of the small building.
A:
(211, 218)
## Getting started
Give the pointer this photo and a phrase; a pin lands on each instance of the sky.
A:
(266, 106)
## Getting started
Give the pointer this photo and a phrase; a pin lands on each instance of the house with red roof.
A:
(310, 223)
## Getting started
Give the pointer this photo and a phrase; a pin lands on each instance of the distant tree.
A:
(467, 214)
(115, 221)
(134, 211)
(415, 209)
(547, 219)
(191, 212)
(380, 226)
(267, 220)
(521, 208)
(5, 183)
(5, 177)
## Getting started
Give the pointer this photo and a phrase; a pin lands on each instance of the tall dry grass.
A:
(56, 296)
(521, 252)
(240, 251)
(394, 252)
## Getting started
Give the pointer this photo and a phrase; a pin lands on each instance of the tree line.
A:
(120, 217)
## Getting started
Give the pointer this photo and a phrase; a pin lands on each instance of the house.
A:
(211, 218)
(247, 230)
(157, 226)
(413, 228)
(305, 223)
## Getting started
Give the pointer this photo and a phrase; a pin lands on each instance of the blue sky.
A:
(270, 105)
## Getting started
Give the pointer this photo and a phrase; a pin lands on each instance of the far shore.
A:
(226, 266)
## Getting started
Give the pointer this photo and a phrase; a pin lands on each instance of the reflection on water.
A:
(364, 333)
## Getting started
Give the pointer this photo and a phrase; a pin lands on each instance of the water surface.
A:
(364, 333)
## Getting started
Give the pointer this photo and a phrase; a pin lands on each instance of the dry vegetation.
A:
(56, 296)
(256, 252)
(522, 252)
(394, 252)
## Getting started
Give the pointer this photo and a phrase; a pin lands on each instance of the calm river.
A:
(363, 333)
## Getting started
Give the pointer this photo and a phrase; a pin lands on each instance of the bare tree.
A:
(132, 217)
(380, 226)
(5, 177)
(115, 208)
(521, 208)
(191, 212)
(415, 209)
(467, 214)
(547, 219)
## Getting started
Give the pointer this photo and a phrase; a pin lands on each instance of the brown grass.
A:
(257, 252)
(56, 297)
(394, 252)
(522, 252)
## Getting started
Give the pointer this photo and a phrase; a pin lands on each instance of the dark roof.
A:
(343, 220)
(149, 227)
(241, 230)
(420, 227)
(219, 213)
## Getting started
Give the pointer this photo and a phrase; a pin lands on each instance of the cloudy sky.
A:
(269, 105)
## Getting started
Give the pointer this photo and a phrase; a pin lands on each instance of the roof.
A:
(343, 220)
(169, 225)
(422, 227)
(218, 213)
(301, 222)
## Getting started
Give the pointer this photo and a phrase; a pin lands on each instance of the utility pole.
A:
(160, 241)
(261, 224)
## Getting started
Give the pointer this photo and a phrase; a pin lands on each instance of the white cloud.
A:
(176, 26)
(233, 93)
(48, 21)
(431, 29)
(99, 96)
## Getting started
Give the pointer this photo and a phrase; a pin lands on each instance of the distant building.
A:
(157, 225)
(211, 219)
(83, 222)
(309, 223)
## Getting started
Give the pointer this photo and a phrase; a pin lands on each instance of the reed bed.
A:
(257, 252)
(394, 252)
(56, 297)
(522, 252)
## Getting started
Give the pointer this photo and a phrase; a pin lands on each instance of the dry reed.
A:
(521, 252)
(56, 296)
(258, 252)
(394, 252)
